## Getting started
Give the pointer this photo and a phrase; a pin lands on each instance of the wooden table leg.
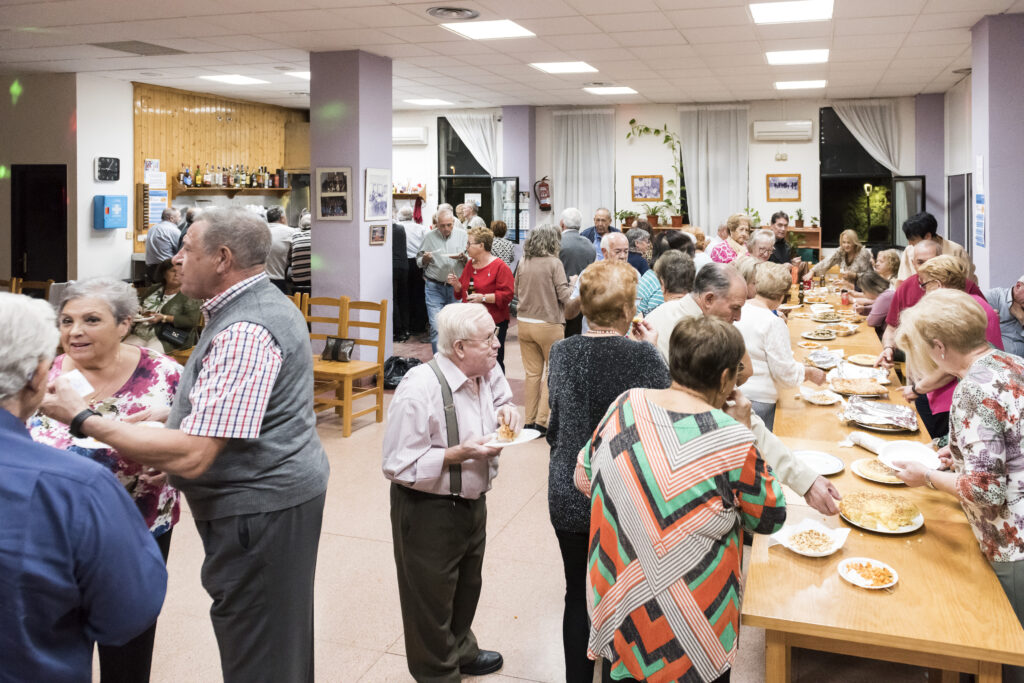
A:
(777, 657)
(943, 676)
(990, 672)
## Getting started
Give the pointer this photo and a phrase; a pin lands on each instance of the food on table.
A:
(821, 398)
(826, 316)
(872, 574)
(878, 510)
(808, 345)
(858, 386)
(814, 299)
(788, 307)
(819, 334)
(865, 359)
(505, 433)
(876, 470)
(811, 541)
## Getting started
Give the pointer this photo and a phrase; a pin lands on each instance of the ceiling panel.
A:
(633, 21)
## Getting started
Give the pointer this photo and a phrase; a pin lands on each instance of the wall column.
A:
(930, 153)
(350, 126)
(997, 103)
(519, 140)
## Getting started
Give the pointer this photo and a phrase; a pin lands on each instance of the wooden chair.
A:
(339, 377)
(9, 285)
(35, 286)
(301, 302)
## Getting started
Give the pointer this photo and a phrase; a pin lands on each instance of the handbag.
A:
(339, 349)
(395, 368)
(172, 335)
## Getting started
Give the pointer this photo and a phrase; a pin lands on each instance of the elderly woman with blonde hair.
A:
(852, 257)
(585, 375)
(735, 245)
(947, 332)
(944, 272)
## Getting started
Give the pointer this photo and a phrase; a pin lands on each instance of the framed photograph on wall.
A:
(332, 189)
(378, 235)
(646, 188)
(377, 204)
(783, 187)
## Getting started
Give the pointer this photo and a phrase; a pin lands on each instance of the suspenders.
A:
(454, 471)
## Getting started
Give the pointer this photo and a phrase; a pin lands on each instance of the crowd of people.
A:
(644, 354)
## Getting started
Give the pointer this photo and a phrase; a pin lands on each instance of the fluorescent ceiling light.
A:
(304, 75)
(797, 57)
(563, 67)
(234, 79)
(489, 30)
(799, 85)
(791, 12)
(427, 102)
(611, 90)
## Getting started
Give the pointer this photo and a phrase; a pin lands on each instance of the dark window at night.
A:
(453, 158)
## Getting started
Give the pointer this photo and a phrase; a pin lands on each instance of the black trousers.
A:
(131, 662)
(575, 622)
(417, 299)
(606, 676)
(439, 552)
(574, 326)
(937, 424)
(400, 301)
(502, 333)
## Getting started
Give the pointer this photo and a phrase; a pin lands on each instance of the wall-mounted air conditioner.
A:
(775, 131)
(409, 136)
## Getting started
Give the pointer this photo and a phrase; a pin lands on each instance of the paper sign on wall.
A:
(979, 200)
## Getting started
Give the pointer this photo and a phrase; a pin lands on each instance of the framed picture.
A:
(378, 235)
(377, 204)
(646, 188)
(333, 194)
(783, 188)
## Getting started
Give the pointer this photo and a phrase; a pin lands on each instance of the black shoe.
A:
(486, 662)
(542, 429)
(529, 425)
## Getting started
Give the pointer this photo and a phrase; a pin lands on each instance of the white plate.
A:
(819, 308)
(818, 319)
(788, 307)
(855, 578)
(785, 534)
(909, 451)
(914, 525)
(808, 335)
(831, 397)
(887, 428)
(523, 437)
(856, 468)
(821, 462)
(851, 371)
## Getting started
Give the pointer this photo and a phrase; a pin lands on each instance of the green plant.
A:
(626, 214)
(798, 214)
(671, 202)
(794, 240)
(814, 220)
(755, 217)
(675, 145)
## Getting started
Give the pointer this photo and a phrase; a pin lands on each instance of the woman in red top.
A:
(486, 280)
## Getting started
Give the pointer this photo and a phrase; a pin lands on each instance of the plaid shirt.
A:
(230, 395)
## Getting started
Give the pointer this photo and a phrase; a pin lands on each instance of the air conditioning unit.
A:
(409, 136)
(776, 131)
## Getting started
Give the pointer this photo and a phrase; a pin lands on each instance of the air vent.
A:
(137, 47)
(453, 13)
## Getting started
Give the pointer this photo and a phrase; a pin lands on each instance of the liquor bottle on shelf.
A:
(181, 175)
(224, 176)
(252, 179)
(186, 178)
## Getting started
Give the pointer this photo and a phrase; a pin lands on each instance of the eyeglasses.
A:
(489, 339)
(740, 368)
(924, 284)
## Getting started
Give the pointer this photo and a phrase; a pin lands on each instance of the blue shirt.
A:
(1000, 299)
(77, 564)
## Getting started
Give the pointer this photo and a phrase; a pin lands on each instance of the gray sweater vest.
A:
(286, 466)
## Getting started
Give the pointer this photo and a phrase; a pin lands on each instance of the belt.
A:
(416, 493)
(440, 282)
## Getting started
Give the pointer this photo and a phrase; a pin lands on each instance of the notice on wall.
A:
(978, 179)
(157, 204)
(151, 165)
(155, 179)
(473, 198)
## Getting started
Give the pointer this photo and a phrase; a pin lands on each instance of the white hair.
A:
(606, 240)
(476, 222)
(571, 219)
(458, 321)
(305, 221)
(116, 294)
(405, 213)
(28, 335)
(441, 212)
(767, 236)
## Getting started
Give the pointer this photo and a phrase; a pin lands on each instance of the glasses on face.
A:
(740, 368)
(620, 252)
(489, 339)
(472, 244)
(764, 251)
(923, 284)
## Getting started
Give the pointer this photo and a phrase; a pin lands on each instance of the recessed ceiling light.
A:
(489, 30)
(234, 79)
(427, 102)
(450, 13)
(563, 67)
(797, 57)
(791, 12)
(305, 74)
(611, 90)
(799, 85)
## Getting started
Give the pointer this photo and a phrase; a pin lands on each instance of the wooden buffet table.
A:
(947, 611)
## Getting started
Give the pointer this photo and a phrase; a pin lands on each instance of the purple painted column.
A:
(997, 108)
(930, 143)
(519, 142)
(350, 126)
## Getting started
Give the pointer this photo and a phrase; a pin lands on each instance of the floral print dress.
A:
(152, 385)
(986, 440)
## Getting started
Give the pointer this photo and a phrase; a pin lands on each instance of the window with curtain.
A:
(714, 162)
(583, 155)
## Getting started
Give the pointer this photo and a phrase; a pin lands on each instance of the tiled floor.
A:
(358, 622)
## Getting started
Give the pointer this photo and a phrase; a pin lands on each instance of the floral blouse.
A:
(986, 439)
(151, 385)
(727, 251)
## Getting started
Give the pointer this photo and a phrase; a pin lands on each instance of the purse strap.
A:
(452, 424)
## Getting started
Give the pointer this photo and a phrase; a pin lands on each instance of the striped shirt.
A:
(302, 250)
(230, 395)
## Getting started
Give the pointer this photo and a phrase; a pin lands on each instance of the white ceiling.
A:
(668, 50)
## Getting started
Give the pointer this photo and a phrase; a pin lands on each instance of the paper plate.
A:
(857, 468)
(912, 451)
(856, 579)
(821, 462)
(523, 437)
(785, 536)
(812, 335)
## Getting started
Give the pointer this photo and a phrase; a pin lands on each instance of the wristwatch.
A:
(928, 480)
(76, 422)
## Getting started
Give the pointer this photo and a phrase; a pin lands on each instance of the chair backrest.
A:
(36, 286)
(317, 318)
(301, 300)
(9, 285)
(378, 334)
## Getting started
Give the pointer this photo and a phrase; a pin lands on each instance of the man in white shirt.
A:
(280, 249)
(162, 241)
(923, 226)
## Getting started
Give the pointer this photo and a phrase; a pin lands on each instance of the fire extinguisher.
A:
(542, 190)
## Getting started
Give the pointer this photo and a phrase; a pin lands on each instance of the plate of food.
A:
(811, 538)
(821, 462)
(808, 345)
(504, 437)
(857, 386)
(819, 397)
(814, 299)
(863, 359)
(849, 371)
(864, 572)
(825, 317)
(823, 358)
(880, 511)
(819, 334)
(789, 307)
(844, 329)
(909, 451)
(874, 470)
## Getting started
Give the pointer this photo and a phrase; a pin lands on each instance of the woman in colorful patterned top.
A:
(672, 480)
(735, 245)
(947, 330)
(127, 383)
(852, 257)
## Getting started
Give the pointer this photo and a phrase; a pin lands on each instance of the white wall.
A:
(646, 155)
(958, 128)
(105, 128)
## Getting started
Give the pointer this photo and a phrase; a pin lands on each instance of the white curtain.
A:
(714, 162)
(479, 132)
(876, 127)
(583, 158)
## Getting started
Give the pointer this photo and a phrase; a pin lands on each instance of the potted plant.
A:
(675, 145)
(755, 217)
(671, 204)
(626, 217)
(814, 221)
(653, 213)
(798, 218)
